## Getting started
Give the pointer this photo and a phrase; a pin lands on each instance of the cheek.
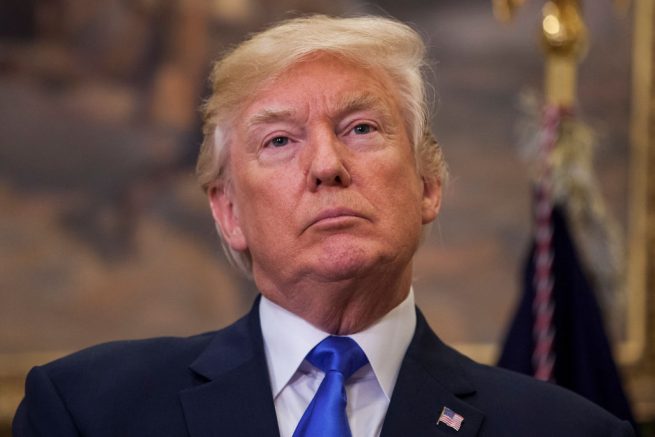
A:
(404, 199)
(267, 204)
(398, 182)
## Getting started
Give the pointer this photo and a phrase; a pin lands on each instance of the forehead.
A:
(323, 82)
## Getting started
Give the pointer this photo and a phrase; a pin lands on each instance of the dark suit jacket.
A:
(217, 384)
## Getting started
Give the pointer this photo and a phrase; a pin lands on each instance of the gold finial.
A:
(564, 37)
(563, 29)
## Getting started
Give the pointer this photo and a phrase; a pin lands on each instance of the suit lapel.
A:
(233, 396)
(432, 377)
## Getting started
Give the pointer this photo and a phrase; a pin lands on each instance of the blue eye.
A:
(279, 141)
(362, 129)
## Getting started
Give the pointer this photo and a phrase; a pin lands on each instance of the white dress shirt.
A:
(288, 339)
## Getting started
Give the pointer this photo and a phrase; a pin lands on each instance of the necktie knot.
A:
(340, 354)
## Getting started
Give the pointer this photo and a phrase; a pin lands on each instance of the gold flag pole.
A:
(566, 166)
(564, 37)
(560, 152)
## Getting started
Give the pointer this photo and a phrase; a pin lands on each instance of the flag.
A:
(450, 418)
(583, 359)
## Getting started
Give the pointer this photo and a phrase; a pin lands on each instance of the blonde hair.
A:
(370, 42)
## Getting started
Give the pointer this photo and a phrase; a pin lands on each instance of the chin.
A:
(346, 262)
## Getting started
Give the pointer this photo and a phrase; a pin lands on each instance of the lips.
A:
(331, 214)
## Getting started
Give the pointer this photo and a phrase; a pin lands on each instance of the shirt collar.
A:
(384, 342)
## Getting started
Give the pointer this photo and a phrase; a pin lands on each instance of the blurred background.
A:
(104, 233)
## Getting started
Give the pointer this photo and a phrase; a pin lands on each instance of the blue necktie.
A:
(339, 358)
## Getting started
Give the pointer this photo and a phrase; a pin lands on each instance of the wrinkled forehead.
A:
(325, 82)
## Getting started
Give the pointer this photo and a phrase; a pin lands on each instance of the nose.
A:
(327, 163)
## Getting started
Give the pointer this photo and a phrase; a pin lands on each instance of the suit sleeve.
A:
(42, 412)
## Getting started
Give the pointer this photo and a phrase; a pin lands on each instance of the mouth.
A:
(335, 217)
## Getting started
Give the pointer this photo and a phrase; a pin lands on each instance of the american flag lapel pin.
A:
(449, 418)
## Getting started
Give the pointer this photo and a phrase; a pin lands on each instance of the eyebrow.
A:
(344, 106)
(360, 102)
(270, 116)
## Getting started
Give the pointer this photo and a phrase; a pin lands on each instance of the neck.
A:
(346, 306)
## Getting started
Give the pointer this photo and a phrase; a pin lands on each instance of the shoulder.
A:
(110, 389)
(131, 371)
(512, 404)
(165, 358)
(130, 387)
(512, 400)
(128, 358)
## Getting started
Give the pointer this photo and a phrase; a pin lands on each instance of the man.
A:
(321, 174)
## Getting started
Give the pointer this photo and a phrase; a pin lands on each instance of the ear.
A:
(431, 201)
(226, 216)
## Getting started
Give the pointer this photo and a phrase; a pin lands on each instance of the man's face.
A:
(323, 178)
